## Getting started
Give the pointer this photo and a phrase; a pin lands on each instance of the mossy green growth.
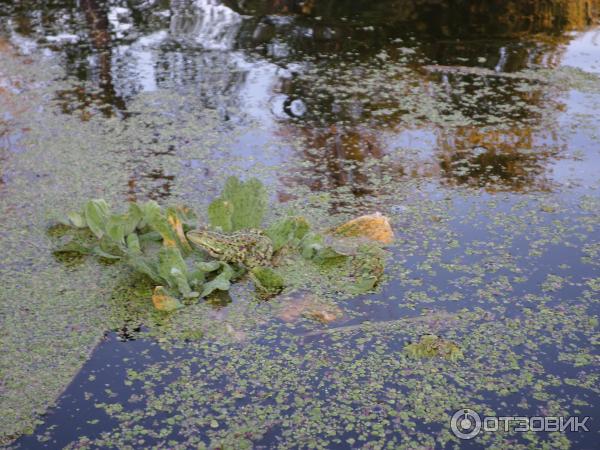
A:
(267, 281)
(430, 346)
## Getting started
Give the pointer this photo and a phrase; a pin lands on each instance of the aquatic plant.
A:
(154, 241)
(430, 346)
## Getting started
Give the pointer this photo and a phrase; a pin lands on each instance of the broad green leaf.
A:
(77, 219)
(187, 215)
(150, 236)
(133, 218)
(220, 213)
(172, 268)
(155, 219)
(241, 205)
(145, 265)
(250, 201)
(133, 244)
(182, 283)
(311, 245)
(98, 251)
(170, 258)
(290, 230)
(96, 215)
(108, 246)
(221, 282)
(115, 228)
(196, 278)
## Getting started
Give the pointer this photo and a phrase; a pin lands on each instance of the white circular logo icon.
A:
(465, 424)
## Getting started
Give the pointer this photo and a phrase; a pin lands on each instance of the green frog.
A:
(250, 248)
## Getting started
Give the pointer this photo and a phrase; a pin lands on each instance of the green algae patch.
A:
(430, 346)
(267, 281)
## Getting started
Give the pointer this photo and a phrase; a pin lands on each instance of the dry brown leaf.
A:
(177, 226)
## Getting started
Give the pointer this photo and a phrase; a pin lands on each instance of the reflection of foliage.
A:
(494, 159)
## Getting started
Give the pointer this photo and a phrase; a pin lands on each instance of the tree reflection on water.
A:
(332, 63)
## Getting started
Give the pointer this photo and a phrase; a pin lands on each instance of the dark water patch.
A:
(101, 380)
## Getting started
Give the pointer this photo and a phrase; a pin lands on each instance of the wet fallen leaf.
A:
(373, 226)
(177, 226)
(311, 307)
(163, 301)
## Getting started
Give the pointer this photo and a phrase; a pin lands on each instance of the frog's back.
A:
(259, 249)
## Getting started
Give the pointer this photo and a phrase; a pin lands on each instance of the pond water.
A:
(473, 126)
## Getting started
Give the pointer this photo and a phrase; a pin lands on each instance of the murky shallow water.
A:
(474, 127)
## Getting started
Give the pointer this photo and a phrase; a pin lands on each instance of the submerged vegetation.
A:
(185, 263)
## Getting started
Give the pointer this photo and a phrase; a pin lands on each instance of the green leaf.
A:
(241, 205)
(221, 282)
(250, 201)
(311, 245)
(133, 244)
(187, 215)
(98, 251)
(115, 228)
(208, 266)
(133, 218)
(158, 222)
(175, 221)
(266, 280)
(172, 268)
(220, 213)
(196, 278)
(150, 236)
(96, 215)
(290, 230)
(183, 284)
(146, 266)
(77, 219)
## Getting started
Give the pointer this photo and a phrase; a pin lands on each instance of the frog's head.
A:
(214, 243)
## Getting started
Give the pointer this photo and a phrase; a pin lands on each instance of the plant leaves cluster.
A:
(152, 240)
(430, 346)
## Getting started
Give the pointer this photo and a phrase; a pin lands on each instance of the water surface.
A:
(472, 125)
